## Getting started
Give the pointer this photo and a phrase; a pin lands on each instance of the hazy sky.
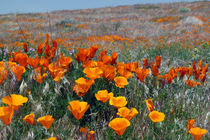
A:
(24, 6)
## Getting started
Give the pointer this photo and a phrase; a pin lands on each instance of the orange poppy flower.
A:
(190, 124)
(109, 72)
(119, 125)
(158, 61)
(121, 68)
(102, 54)
(40, 49)
(82, 86)
(18, 71)
(127, 113)
(114, 58)
(33, 62)
(192, 84)
(21, 58)
(65, 61)
(150, 104)
(25, 47)
(15, 101)
(118, 102)
(84, 130)
(82, 55)
(103, 95)
(106, 59)
(78, 108)
(91, 135)
(3, 74)
(91, 51)
(142, 74)
(197, 133)
(44, 62)
(29, 119)
(120, 81)
(155, 70)
(93, 73)
(156, 116)
(145, 63)
(132, 66)
(6, 114)
(46, 121)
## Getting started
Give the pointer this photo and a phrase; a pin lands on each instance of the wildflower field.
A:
(127, 73)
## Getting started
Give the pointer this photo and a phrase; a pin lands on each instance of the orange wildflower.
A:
(29, 119)
(190, 124)
(141, 73)
(82, 86)
(150, 104)
(65, 61)
(132, 66)
(91, 135)
(15, 101)
(6, 114)
(78, 108)
(106, 59)
(93, 73)
(109, 72)
(158, 61)
(40, 49)
(18, 71)
(3, 74)
(120, 81)
(82, 55)
(119, 125)
(33, 62)
(114, 58)
(91, 51)
(197, 133)
(21, 58)
(118, 102)
(155, 70)
(156, 116)
(145, 63)
(25, 46)
(84, 130)
(103, 95)
(127, 113)
(192, 84)
(52, 138)
(46, 121)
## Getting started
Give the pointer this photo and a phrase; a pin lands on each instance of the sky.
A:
(31, 6)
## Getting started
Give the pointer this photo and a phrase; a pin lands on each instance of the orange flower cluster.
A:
(45, 121)
(87, 135)
(13, 102)
(197, 132)
(155, 116)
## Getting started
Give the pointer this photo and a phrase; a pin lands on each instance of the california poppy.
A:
(156, 116)
(192, 84)
(82, 86)
(141, 73)
(158, 61)
(6, 114)
(190, 124)
(120, 81)
(118, 102)
(15, 101)
(103, 95)
(78, 108)
(46, 121)
(18, 71)
(197, 133)
(33, 62)
(93, 73)
(119, 125)
(127, 113)
(29, 119)
(150, 104)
